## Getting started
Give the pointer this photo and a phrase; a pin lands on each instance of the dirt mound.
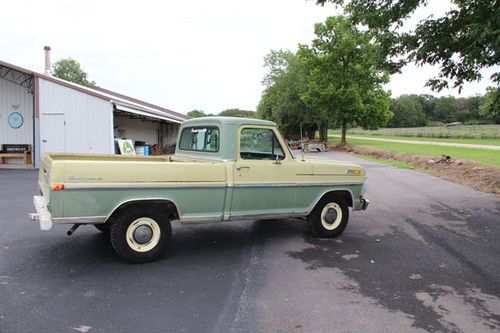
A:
(479, 177)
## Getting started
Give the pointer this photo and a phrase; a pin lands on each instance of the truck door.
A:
(264, 174)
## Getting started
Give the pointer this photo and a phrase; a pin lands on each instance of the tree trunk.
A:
(311, 133)
(344, 130)
(323, 132)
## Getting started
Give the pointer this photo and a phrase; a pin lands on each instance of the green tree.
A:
(427, 102)
(468, 109)
(70, 70)
(237, 113)
(445, 109)
(281, 101)
(408, 112)
(196, 114)
(346, 72)
(462, 42)
(490, 107)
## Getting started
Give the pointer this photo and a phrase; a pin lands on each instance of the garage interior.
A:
(160, 135)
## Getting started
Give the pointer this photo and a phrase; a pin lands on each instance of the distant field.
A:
(466, 131)
(482, 156)
(493, 142)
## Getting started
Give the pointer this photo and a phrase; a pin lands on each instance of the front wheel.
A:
(140, 234)
(329, 218)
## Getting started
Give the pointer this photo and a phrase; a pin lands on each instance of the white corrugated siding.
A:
(74, 122)
(14, 98)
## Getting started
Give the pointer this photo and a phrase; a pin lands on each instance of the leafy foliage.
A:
(196, 114)
(346, 73)
(491, 104)
(335, 82)
(408, 112)
(419, 110)
(70, 70)
(462, 42)
(281, 102)
(237, 113)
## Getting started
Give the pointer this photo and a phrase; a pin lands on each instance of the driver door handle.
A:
(242, 167)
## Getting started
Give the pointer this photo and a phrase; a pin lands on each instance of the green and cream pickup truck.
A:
(223, 170)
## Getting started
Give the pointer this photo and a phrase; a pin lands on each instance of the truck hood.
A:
(320, 166)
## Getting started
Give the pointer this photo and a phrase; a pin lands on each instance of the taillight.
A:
(58, 187)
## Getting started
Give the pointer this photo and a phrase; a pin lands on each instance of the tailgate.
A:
(44, 174)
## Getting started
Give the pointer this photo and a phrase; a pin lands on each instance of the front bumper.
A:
(42, 215)
(361, 204)
(364, 204)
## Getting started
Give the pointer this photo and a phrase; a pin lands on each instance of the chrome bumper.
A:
(42, 215)
(365, 204)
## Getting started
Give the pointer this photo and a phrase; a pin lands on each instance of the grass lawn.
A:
(493, 142)
(482, 156)
(397, 164)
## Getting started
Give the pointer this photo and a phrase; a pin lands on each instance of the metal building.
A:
(54, 115)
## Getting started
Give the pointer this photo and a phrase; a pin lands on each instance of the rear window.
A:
(200, 139)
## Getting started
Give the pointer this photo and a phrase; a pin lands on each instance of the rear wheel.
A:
(329, 218)
(140, 234)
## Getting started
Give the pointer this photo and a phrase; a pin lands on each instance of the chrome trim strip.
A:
(295, 184)
(325, 174)
(240, 217)
(201, 219)
(79, 186)
(268, 216)
(80, 219)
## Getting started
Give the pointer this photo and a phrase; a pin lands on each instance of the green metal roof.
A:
(227, 121)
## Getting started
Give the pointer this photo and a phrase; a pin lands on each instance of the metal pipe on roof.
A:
(47, 60)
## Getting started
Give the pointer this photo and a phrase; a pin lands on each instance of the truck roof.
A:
(227, 121)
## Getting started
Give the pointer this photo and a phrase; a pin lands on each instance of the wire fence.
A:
(463, 131)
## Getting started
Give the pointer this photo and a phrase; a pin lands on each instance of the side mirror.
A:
(277, 160)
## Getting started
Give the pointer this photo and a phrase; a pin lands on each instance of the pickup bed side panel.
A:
(198, 189)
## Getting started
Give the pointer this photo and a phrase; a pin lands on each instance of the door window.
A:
(260, 144)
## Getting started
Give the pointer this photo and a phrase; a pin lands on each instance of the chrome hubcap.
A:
(143, 234)
(330, 216)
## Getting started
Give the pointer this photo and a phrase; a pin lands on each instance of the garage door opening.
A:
(149, 136)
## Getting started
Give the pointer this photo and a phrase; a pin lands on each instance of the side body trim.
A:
(295, 185)
(200, 219)
(80, 219)
(79, 186)
(70, 186)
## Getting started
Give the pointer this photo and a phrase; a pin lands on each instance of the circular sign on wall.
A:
(15, 120)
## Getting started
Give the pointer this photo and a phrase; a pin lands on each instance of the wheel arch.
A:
(344, 193)
(169, 206)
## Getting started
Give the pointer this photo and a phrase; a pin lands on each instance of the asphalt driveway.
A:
(424, 257)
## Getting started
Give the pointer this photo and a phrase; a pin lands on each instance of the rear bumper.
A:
(42, 215)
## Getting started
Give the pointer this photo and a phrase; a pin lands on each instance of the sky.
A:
(182, 55)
